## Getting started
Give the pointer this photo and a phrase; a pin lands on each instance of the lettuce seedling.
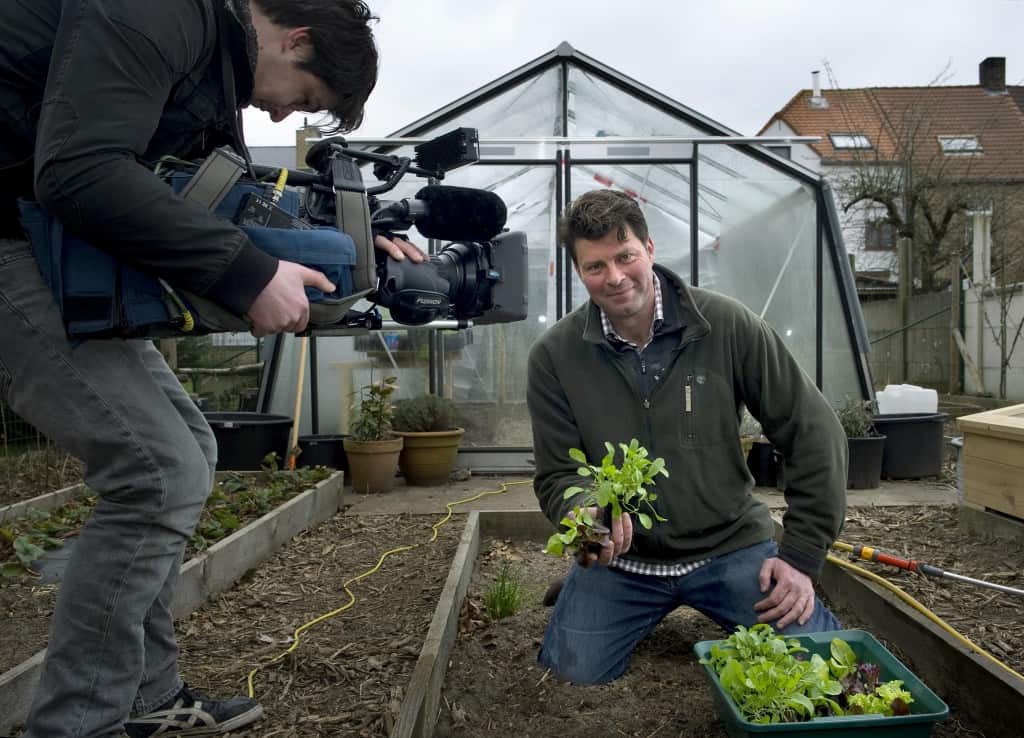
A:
(619, 489)
(771, 680)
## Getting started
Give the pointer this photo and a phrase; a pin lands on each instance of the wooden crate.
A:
(993, 459)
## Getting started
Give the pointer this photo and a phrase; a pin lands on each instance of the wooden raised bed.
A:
(212, 572)
(993, 460)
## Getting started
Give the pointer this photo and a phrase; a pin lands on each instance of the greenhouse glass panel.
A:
(596, 108)
(530, 108)
(487, 378)
(663, 191)
(763, 252)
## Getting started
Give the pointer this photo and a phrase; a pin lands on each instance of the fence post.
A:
(956, 306)
(906, 290)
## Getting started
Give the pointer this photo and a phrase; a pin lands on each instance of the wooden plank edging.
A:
(46, 502)
(212, 572)
(418, 714)
(419, 711)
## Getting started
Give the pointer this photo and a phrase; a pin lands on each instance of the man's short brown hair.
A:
(595, 214)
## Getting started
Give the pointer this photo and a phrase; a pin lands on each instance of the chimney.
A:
(817, 99)
(992, 74)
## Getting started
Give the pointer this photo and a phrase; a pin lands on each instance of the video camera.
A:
(480, 275)
(327, 221)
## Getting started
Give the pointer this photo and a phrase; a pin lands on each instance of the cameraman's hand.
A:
(398, 248)
(282, 306)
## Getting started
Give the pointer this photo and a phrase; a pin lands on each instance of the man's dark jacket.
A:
(91, 93)
(581, 393)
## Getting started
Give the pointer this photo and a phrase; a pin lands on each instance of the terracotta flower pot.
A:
(427, 458)
(372, 464)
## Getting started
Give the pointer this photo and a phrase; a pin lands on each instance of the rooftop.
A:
(970, 131)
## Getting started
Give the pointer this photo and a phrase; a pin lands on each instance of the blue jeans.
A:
(602, 614)
(150, 456)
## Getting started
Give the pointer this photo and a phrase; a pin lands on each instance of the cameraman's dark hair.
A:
(344, 54)
(595, 214)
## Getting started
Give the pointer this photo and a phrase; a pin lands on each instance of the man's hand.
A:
(792, 597)
(398, 248)
(616, 544)
(282, 306)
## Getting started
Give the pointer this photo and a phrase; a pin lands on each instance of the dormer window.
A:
(849, 141)
(960, 145)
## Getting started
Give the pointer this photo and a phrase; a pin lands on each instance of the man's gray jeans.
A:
(150, 456)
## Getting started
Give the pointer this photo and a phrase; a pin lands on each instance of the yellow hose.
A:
(282, 179)
(352, 598)
(917, 606)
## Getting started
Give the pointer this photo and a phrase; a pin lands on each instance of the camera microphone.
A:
(458, 213)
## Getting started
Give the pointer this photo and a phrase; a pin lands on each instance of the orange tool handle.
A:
(873, 554)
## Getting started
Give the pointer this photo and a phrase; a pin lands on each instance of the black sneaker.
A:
(191, 713)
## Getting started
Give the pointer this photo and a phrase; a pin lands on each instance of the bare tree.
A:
(1007, 274)
(923, 190)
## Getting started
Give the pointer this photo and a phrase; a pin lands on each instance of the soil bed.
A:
(238, 499)
(348, 675)
(494, 686)
(932, 535)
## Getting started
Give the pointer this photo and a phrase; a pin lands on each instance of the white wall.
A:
(800, 153)
(989, 348)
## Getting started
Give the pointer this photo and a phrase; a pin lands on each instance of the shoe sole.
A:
(238, 721)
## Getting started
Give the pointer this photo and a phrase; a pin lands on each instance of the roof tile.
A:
(912, 119)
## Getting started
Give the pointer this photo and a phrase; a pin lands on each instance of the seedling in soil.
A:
(504, 596)
(615, 489)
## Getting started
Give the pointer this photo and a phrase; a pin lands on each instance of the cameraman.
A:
(90, 91)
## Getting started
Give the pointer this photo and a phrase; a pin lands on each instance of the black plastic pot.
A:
(244, 439)
(323, 450)
(913, 445)
(865, 470)
(764, 464)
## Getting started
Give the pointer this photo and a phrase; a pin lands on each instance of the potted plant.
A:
(865, 444)
(373, 448)
(431, 437)
(616, 489)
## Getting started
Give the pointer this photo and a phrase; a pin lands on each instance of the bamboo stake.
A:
(297, 415)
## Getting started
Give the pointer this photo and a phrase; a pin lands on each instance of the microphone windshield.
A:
(460, 213)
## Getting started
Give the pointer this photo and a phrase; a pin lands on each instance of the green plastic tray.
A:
(926, 709)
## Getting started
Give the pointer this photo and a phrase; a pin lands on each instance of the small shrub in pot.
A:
(429, 426)
(865, 444)
(424, 414)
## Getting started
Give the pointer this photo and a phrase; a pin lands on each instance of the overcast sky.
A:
(735, 61)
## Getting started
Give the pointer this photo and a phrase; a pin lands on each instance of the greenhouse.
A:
(727, 213)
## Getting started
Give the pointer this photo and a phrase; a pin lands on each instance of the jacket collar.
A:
(684, 313)
(243, 46)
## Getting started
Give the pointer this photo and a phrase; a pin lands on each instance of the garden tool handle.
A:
(873, 554)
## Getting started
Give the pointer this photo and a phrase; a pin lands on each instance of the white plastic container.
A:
(906, 398)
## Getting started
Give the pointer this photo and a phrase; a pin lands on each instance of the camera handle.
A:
(361, 323)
